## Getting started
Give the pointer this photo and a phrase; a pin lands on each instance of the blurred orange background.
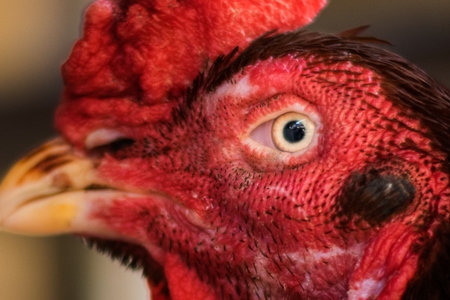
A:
(36, 37)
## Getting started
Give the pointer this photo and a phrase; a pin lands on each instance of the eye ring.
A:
(292, 132)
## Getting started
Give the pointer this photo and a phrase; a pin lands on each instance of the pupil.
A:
(294, 131)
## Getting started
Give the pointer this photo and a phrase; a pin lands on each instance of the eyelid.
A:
(263, 134)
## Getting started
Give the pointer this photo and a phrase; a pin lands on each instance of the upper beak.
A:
(50, 191)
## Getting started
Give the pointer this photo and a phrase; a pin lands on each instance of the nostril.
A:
(109, 141)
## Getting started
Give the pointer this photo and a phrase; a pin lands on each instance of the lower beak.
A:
(50, 191)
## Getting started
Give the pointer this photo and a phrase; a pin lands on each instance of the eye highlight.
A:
(292, 132)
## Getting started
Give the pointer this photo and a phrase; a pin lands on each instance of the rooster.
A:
(295, 166)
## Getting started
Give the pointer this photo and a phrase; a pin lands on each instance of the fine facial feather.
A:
(407, 92)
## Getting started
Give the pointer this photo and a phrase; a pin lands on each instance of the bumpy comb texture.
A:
(140, 53)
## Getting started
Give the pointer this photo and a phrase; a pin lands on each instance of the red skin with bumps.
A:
(249, 229)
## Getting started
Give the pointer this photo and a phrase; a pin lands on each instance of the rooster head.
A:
(302, 166)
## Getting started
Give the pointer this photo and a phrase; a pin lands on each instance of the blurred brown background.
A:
(36, 37)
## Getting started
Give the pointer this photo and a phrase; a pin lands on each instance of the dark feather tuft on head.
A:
(354, 35)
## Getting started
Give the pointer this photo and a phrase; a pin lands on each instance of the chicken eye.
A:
(292, 132)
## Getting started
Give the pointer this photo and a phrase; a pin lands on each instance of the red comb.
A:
(149, 52)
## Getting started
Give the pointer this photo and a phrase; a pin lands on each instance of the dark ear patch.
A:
(432, 279)
(373, 197)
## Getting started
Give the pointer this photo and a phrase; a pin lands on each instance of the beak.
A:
(50, 191)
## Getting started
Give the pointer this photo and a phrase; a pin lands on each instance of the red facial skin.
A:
(234, 219)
